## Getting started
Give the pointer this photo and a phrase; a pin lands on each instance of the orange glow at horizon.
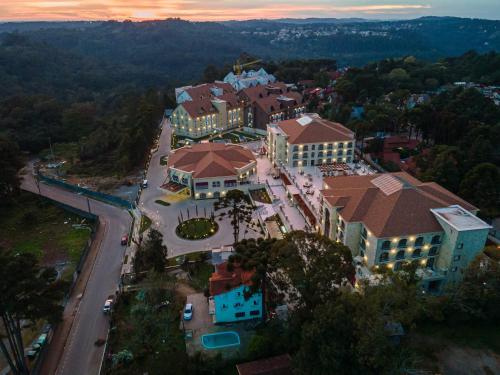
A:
(195, 10)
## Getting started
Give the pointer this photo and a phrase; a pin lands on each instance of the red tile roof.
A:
(279, 365)
(397, 205)
(223, 280)
(198, 108)
(317, 130)
(206, 160)
(203, 91)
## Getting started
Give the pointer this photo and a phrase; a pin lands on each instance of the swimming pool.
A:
(220, 340)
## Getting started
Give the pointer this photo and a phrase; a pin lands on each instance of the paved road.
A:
(80, 356)
(165, 219)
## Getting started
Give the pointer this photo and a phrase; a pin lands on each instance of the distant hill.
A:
(176, 51)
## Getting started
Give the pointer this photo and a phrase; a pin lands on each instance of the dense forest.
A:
(459, 128)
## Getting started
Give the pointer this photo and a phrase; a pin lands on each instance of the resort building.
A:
(201, 117)
(392, 218)
(270, 103)
(248, 79)
(308, 141)
(230, 296)
(209, 170)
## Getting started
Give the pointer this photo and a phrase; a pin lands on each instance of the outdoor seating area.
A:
(173, 186)
(329, 169)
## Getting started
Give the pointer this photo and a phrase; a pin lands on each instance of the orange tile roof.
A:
(203, 91)
(207, 160)
(390, 210)
(317, 130)
(223, 280)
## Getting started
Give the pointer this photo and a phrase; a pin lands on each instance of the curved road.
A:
(79, 354)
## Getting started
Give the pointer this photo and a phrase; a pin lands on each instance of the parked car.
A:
(124, 240)
(188, 311)
(108, 305)
(144, 184)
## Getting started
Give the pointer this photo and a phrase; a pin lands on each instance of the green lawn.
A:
(37, 226)
(198, 228)
(145, 224)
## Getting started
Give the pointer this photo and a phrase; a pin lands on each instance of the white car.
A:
(188, 311)
(107, 306)
(144, 184)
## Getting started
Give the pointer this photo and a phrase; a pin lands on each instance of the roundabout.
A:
(197, 229)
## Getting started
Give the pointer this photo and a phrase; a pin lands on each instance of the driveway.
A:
(201, 319)
(165, 218)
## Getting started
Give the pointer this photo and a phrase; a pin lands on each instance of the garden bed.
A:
(197, 229)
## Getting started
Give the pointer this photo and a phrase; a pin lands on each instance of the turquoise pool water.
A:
(220, 340)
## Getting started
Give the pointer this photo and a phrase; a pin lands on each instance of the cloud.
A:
(193, 9)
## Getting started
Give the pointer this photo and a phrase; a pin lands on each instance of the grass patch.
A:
(260, 195)
(35, 225)
(197, 229)
(164, 160)
(200, 272)
(163, 203)
(145, 224)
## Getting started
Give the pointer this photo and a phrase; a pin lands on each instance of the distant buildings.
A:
(230, 296)
(391, 219)
(209, 170)
(308, 141)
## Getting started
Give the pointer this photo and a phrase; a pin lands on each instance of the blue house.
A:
(230, 298)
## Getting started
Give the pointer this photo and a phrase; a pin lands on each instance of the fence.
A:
(107, 198)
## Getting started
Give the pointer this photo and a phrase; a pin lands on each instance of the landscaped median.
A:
(197, 229)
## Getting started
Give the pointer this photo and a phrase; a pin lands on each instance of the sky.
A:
(216, 10)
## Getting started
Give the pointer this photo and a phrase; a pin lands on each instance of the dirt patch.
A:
(455, 360)
(184, 290)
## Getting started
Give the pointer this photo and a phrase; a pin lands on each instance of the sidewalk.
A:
(63, 329)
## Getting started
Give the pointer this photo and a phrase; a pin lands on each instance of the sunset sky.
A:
(19, 10)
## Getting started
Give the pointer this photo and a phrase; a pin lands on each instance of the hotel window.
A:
(417, 253)
(341, 145)
(397, 266)
(295, 156)
(362, 244)
(313, 147)
(305, 155)
(329, 153)
(364, 232)
(402, 242)
(312, 154)
(216, 184)
(430, 262)
(201, 185)
(349, 145)
(239, 314)
(400, 254)
(320, 147)
(456, 258)
(384, 257)
(305, 148)
(320, 154)
(255, 312)
(433, 251)
(330, 146)
(339, 160)
(436, 240)
(386, 245)
(230, 183)
(419, 241)
(349, 152)
(340, 153)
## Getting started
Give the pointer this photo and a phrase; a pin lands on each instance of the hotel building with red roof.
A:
(393, 218)
(309, 140)
(209, 170)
